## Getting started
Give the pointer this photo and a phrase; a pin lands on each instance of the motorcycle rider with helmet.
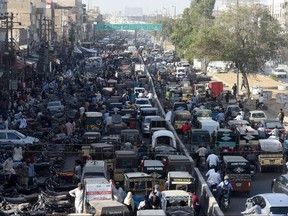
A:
(224, 187)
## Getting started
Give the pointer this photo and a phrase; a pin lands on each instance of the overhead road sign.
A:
(125, 27)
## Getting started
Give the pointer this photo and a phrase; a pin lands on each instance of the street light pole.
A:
(174, 11)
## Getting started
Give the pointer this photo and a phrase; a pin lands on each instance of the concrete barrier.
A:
(208, 204)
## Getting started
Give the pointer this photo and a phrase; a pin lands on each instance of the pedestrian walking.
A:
(243, 85)
(31, 172)
(281, 116)
(17, 153)
(78, 194)
(77, 172)
(234, 89)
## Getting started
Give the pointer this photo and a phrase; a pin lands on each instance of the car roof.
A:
(257, 111)
(276, 199)
(270, 120)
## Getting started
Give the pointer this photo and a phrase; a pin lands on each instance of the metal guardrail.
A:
(208, 203)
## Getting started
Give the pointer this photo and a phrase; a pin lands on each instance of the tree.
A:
(248, 36)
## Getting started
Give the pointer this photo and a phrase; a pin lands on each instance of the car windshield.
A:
(279, 210)
(22, 136)
(142, 102)
(234, 109)
(204, 113)
(54, 104)
(258, 115)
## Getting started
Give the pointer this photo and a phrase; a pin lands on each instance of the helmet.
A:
(226, 177)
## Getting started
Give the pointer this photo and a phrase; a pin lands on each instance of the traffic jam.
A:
(114, 134)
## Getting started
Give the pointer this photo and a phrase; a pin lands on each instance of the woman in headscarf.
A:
(129, 202)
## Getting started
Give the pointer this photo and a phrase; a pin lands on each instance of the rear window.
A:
(258, 115)
(142, 102)
(279, 210)
(273, 124)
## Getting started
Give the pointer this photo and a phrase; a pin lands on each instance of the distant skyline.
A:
(150, 6)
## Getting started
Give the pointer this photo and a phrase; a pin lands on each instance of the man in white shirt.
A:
(260, 101)
(214, 178)
(239, 116)
(212, 160)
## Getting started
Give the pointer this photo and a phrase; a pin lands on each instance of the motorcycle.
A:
(224, 201)
(214, 189)
(202, 163)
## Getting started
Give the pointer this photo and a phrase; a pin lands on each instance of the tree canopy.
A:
(247, 36)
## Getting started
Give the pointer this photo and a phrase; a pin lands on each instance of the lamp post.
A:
(165, 11)
(174, 11)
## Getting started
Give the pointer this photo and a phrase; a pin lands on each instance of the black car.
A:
(280, 184)
(267, 125)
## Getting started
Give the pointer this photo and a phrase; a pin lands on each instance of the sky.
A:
(148, 6)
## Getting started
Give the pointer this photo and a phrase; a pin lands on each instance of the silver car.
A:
(145, 126)
(55, 106)
(15, 137)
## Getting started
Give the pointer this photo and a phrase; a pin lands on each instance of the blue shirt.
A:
(31, 172)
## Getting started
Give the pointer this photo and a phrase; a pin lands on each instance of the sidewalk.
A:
(262, 81)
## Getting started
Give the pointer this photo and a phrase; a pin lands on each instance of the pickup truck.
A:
(279, 73)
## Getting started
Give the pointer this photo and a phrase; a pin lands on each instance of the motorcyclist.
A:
(275, 132)
(214, 178)
(260, 101)
(239, 116)
(224, 187)
(220, 117)
(186, 128)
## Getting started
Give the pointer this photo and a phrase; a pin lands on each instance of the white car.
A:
(275, 204)
(255, 116)
(280, 73)
(55, 106)
(15, 137)
(141, 101)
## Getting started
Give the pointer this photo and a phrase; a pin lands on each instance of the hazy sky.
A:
(148, 6)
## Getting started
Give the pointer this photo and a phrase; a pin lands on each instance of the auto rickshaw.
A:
(156, 169)
(125, 161)
(129, 117)
(239, 171)
(180, 117)
(108, 207)
(103, 151)
(225, 138)
(246, 136)
(91, 137)
(271, 155)
(132, 136)
(178, 180)
(138, 182)
(93, 121)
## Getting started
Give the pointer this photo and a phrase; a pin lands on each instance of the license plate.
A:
(272, 161)
(238, 184)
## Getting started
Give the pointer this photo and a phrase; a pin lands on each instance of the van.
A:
(209, 124)
(94, 169)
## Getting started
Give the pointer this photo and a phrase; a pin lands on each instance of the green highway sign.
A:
(136, 27)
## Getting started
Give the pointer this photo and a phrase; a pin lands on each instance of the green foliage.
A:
(273, 76)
